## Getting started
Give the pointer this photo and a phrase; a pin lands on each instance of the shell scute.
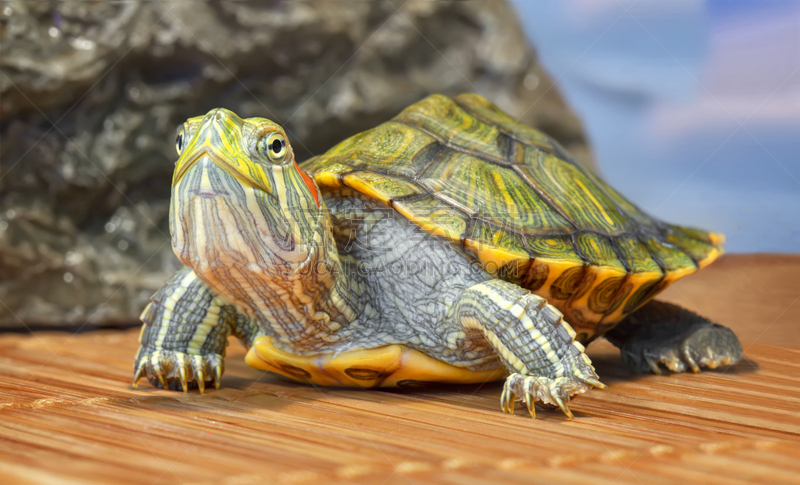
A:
(567, 283)
(490, 192)
(573, 194)
(484, 110)
(637, 257)
(597, 250)
(390, 148)
(701, 247)
(382, 187)
(499, 250)
(434, 216)
(558, 247)
(669, 257)
(607, 292)
(440, 117)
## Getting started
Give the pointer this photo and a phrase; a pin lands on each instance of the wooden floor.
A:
(68, 414)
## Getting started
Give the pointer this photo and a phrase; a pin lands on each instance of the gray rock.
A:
(91, 94)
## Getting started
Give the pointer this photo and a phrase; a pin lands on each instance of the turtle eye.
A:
(272, 147)
(179, 141)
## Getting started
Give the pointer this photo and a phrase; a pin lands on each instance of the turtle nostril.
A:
(218, 116)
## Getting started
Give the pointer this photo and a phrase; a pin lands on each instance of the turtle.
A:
(450, 244)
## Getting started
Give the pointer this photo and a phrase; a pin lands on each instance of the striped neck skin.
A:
(257, 232)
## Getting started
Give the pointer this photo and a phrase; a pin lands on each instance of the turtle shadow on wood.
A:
(470, 396)
(614, 371)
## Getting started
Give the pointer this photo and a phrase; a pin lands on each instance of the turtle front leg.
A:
(185, 333)
(663, 334)
(532, 340)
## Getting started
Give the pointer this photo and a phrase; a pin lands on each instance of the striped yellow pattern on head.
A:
(231, 142)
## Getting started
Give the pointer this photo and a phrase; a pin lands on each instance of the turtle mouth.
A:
(206, 193)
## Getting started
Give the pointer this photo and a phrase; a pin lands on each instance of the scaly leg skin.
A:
(185, 333)
(545, 363)
(661, 334)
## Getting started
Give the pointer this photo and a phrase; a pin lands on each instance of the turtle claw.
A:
(183, 369)
(529, 405)
(184, 382)
(199, 373)
(689, 360)
(550, 392)
(218, 370)
(140, 371)
(595, 383)
(200, 378)
(162, 379)
(178, 371)
(653, 364)
(507, 401)
(563, 407)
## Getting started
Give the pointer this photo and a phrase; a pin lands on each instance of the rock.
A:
(91, 94)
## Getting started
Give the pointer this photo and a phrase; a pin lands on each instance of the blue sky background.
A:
(692, 107)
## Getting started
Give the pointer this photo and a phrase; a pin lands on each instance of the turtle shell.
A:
(462, 169)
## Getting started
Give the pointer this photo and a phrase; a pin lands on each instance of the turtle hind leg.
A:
(662, 335)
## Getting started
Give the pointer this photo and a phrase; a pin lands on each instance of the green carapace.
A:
(449, 244)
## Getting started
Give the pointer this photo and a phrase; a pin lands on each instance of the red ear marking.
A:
(309, 183)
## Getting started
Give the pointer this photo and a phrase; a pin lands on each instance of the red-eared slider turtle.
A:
(450, 244)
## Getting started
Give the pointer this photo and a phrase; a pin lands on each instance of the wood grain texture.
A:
(68, 415)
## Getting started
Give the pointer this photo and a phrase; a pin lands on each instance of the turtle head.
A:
(239, 200)
(255, 151)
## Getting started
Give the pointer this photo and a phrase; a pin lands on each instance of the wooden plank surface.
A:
(68, 414)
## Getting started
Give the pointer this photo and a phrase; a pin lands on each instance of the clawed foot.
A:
(549, 392)
(706, 345)
(178, 371)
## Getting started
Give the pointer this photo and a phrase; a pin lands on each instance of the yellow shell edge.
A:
(386, 366)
